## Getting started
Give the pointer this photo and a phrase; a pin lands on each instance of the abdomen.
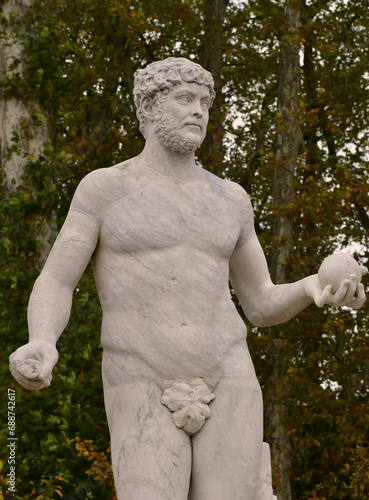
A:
(168, 345)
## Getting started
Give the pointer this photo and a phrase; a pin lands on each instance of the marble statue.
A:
(165, 237)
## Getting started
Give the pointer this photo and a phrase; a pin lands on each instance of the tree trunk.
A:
(287, 147)
(212, 150)
(21, 137)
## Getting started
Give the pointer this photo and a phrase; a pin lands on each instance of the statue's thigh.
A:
(151, 457)
(227, 451)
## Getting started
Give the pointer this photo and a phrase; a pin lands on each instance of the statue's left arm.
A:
(265, 303)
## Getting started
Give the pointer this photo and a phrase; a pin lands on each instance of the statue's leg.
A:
(151, 457)
(227, 451)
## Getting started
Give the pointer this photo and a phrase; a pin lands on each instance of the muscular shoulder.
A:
(237, 196)
(99, 188)
(238, 202)
(232, 192)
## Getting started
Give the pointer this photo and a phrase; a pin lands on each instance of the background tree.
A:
(77, 61)
(213, 147)
(23, 132)
(288, 142)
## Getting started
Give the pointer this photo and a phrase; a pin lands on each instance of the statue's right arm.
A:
(51, 298)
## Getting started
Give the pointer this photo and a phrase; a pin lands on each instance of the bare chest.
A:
(164, 214)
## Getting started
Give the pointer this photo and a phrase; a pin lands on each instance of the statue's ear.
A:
(147, 106)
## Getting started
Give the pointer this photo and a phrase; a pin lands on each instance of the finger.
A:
(364, 270)
(35, 384)
(14, 364)
(30, 384)
(48, 365)
(321, 299)
(16, 358)
(45, 373)
(338, 297)
(21, 354)
(360, 299)
(351, 290)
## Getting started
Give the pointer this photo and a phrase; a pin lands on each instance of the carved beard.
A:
(171, 135)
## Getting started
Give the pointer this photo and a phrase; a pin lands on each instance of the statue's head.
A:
(160, 77)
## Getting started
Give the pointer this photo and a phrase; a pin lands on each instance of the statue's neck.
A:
(165, 161)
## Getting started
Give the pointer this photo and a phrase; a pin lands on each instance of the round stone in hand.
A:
(336, 268)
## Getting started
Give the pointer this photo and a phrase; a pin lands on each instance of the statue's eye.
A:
(183, 98)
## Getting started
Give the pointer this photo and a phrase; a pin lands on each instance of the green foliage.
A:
(78, 62)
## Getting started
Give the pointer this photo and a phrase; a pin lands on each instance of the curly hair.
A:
(159, 77)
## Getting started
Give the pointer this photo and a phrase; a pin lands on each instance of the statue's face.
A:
(181, 120)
